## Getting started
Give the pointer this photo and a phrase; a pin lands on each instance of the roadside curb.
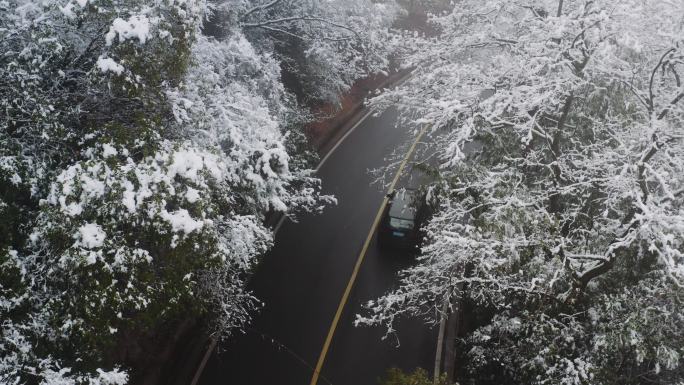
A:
(340, 132)
(355, 114)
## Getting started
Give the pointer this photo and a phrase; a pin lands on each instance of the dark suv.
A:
(403, 218)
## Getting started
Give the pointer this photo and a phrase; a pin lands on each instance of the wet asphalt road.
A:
(302, 279)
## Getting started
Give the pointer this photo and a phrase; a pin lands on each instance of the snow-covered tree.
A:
(138, 159)
(559, 129)
(324, 45)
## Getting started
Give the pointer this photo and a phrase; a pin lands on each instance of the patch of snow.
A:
(112, 377)
(58, 377)
(106, 64)
(137, 26)
(108, 150)
(192, 195)
(186, 164)
(129, 200)
(15, 179)
(181, 221)
(72, 209)
(68, 10)
(91, 235)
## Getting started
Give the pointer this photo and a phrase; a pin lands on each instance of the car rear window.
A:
(402, 205)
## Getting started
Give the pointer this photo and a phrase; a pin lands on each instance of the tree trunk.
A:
(452, 327)
(560, 8)
(440, 341)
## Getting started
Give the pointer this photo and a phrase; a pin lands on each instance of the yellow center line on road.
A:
(359, 261)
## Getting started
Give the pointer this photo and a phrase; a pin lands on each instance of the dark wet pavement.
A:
(301, 282)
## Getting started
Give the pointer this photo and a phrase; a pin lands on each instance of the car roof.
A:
(402, 206)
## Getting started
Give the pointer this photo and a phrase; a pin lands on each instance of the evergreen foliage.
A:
(138, 158)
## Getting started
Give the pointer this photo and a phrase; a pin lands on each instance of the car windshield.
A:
(401, 224)
(402, 205)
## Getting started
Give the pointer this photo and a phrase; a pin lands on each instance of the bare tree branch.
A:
(296, 19)
(260, 8)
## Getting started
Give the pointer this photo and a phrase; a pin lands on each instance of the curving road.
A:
(303, 278)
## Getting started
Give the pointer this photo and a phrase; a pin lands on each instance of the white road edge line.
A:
(339, 142)
(325, 158)
(363, 119)
(342, 139)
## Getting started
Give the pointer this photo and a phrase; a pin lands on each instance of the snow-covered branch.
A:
(574, 189)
